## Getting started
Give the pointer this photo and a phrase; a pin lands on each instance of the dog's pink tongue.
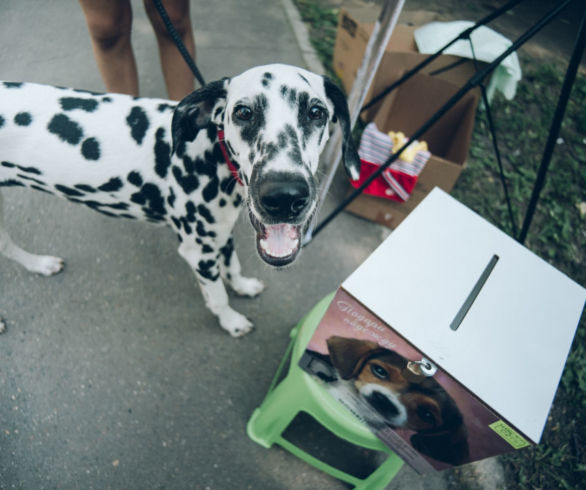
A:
(280, 240)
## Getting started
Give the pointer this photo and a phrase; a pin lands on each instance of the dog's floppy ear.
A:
(349, 355)
(349, 154)
(446, 444)
(197, 110)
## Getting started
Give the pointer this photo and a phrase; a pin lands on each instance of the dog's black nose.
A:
(284, 196)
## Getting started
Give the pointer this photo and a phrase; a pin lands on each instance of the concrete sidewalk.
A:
(113, 373)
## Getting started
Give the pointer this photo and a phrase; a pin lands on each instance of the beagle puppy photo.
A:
(382, 388)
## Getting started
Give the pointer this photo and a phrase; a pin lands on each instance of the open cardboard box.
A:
(406, 109)
(449, 340)
(401, 53)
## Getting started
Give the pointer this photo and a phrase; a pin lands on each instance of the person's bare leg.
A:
(178, 77)
(109, 23)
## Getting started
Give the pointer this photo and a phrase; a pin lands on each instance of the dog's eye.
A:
(426, 415)
(316, 112)
(379, 371)
(243, 113)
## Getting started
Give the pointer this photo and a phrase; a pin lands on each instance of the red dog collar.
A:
(231, 166)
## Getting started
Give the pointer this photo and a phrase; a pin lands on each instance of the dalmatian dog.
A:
(251, 141)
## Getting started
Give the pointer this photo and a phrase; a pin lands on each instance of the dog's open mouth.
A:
(277, 244)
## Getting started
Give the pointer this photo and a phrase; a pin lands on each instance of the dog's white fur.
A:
(151, 160)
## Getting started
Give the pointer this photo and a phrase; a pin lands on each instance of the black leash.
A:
(495, 146)
(178, 42)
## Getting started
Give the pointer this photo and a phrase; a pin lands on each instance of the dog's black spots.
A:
(251, 128)
(271, 151)
(186, 226)
(38, 188)
(218, 157)
(162, 154)
(304, 79)
(122, 206)
(227, 251)
(32, 179)
(208, 269)
(206, 249)
(210, 191)
(227, 185)
(237, 201)
(2, 120)
(282, 140)
(206, 165)
(23, 119)
(85, 188)
(294, 151)
(68, 190)
(106, 213)
(212, 131)
(187, 182)
(71, 103)
(127, 216)
(303, 121)
(29, 170)
(180, 238)
(199, 241)
(134, 178)
(165, 107)
(292, 98)
(66, 129)
(90, 149)
(138, 198)
(200, 229)
(171, 197)
(176, 222)
(245, 178)
(266, 79)
(113, 185)
(139, 124)
(107, 99)
(205, 213)
(218, 112)
(190, 208)
(12, 183)
(283, 89)
(154, 198)
(222, 202)
(13, 84)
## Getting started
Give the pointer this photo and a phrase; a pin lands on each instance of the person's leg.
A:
(178, 77)
(109, 23)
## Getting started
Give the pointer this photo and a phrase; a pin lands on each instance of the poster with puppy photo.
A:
(425, 416)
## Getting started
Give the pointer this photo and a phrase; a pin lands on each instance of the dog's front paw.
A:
(247, 286)
(45, 265)
(236, 324)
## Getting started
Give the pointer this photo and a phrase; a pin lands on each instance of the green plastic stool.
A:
(300, 392)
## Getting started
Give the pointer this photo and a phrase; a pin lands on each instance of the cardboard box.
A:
(406, 109)
(409, 106)
(449, 340)
(401, 53)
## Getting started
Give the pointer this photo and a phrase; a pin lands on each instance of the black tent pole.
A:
(555, 125)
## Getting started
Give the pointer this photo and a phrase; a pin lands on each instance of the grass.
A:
(557, 234)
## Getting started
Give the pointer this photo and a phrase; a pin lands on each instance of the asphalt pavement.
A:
(113, 374)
